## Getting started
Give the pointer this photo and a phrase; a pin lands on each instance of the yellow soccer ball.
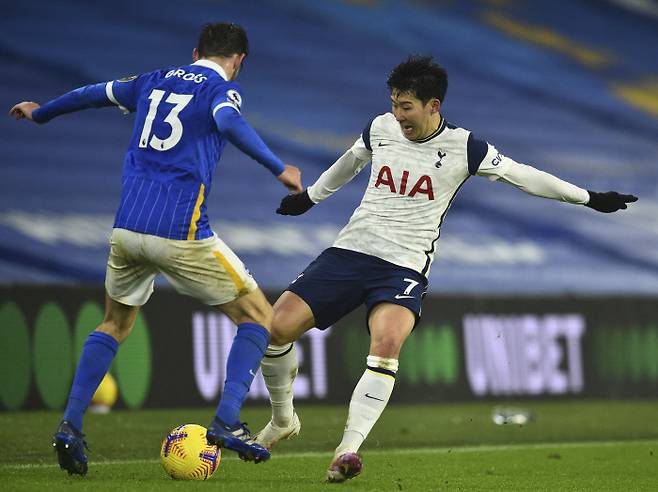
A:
(186, 455)
(105, 396)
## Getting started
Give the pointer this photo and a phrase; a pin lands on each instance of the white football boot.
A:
(272, 433)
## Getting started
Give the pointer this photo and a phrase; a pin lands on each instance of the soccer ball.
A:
(186, 455)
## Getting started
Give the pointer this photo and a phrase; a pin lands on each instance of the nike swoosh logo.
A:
(399, 296)
(382, 144)
(251, 371)
(368, 395)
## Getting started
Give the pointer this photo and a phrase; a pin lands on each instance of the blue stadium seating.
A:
(572, 91)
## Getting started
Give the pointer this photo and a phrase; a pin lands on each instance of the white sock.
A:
(279, 368)
(369, 399)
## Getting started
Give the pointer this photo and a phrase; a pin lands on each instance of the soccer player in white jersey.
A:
(383, 255)
(184, 117)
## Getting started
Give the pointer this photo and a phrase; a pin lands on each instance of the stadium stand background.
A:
(571, 89)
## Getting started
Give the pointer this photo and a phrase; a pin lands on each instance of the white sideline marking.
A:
(441, 450)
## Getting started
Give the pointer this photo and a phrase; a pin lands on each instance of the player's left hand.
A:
(609, 202)
(295, 204)
(24, 110)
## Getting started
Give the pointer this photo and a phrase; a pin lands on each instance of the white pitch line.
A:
(402, 451)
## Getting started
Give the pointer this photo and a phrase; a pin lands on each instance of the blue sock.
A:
(247, 351)
(97, 355)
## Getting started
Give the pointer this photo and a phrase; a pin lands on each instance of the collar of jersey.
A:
(213, 66)
(442, 125)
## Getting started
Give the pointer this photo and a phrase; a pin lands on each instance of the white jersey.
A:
(412, 185)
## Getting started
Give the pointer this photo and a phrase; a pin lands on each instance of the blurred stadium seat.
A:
(573, 91)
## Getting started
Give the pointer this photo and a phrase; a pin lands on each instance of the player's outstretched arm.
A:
(230, 122)
(24, 110)
(540, 183)
(341, 172)
(90, 96)
(608, 202)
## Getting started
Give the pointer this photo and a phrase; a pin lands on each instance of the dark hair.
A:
(222, 39)
(420, 76)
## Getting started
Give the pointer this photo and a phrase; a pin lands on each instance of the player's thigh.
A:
(390, 325)
(388, 283)
(331, 286)
(292, 318)
(249, 308)
(206, 269)
(129, 275)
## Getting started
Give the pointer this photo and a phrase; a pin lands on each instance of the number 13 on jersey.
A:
(179, 101)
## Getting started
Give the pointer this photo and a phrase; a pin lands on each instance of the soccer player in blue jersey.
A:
(183, 118)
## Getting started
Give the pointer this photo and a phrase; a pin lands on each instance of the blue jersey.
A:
(183, 117)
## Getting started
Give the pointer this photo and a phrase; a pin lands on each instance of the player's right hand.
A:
(24, 110)
(295, 204)
(291, 177)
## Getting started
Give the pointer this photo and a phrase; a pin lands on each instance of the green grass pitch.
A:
(570, 445)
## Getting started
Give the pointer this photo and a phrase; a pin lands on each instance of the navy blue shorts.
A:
(339, 280)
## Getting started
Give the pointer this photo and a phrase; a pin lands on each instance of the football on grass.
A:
(186, 455)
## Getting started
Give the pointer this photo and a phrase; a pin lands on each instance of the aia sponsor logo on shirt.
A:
(423, 186)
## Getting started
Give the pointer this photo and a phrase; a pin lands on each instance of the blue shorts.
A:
(339, 280)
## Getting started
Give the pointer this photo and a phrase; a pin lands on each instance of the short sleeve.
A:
(484, 159)
(365, 136)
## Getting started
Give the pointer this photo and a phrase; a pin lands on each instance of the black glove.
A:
(295, 204)
(608, 202)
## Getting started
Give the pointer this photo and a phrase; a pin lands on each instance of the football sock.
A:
(279, 367)
(243, 361)
(97, 355)
(369, 399)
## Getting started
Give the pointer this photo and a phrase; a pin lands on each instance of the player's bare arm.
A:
(24, 110)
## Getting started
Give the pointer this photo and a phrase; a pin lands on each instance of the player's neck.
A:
(432, 126)
(225, 63)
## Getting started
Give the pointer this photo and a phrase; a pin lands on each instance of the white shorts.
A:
(206, 269)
